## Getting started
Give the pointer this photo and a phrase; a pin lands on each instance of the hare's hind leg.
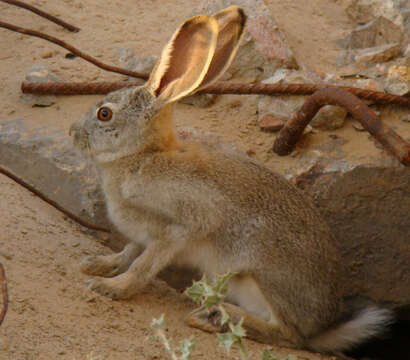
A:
(113, 264)
(256, 328)
(261, 322)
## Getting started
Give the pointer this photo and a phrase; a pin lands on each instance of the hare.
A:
(184, 203)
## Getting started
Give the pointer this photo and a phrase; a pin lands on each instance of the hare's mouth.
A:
(80, 138)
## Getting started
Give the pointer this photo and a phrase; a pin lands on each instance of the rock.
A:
(46, 55)
(367, 208)
(401, 72)
(46, 159)
(382, 53)
(283, 107)
(398, 80)
(397, 86)
(141, 64)
(263, 49)
(379, 31)
(406, 50)
(38, 100)
(329, 117)
(406, 118)
(200, 100)
(270, 123)
(363, 11)
(368, 84)
(357, 126)
(39, 73)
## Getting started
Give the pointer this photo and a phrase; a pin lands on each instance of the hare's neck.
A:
(162, 133)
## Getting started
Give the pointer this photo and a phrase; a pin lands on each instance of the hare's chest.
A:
(134, 227)
(128, 220)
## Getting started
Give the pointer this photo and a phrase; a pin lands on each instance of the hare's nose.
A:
(73, 130)
(79, 134)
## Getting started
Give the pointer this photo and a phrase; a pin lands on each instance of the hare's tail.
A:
(363, 325)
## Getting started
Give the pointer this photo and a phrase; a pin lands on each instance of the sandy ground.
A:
(52, 314)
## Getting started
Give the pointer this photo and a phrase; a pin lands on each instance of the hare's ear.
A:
(231, 24)
(185, 60)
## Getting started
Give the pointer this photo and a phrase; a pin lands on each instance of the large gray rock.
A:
(46, 160)
(363, 11)
(264, 47)
(368, 209)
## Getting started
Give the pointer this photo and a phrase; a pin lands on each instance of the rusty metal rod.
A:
(5, 294)
(292, 131)
(42, 14)
(72, 49)
(93, 88)
(51, 202)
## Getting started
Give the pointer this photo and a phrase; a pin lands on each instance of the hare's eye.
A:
(104, 113)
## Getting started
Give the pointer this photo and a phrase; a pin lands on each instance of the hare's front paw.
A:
(106, 266)
(119, 287)
(206, 320)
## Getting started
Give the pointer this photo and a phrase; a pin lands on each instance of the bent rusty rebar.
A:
(3, 282)
(72, 49)
(95, 88)
(291, 132)
(51, 202)
(43, 14)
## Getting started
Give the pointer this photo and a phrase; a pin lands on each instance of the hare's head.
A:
(135, 119)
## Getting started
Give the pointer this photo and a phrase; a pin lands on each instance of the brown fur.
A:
(186, 203)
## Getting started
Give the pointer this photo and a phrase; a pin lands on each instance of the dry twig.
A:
(72, 49)
(42, 14)
(4, 291)
(291, 132)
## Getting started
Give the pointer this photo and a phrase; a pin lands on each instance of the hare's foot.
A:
(110, 265)
(116, 288)
(256, 329)
(206, 320)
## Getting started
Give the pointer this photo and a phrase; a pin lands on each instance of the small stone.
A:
(38, 100)
(401, 72)
(368, 84)
(47, 55)
(200, 100)
(406, 118)
(141, 64)
(380, 31)
(377, 54)
(398, 80)
(357, 126)
(329, 117)
(363, 11)
(250, 152)
(406, 51)
(40, 73)
(270, 123)
(282, 107)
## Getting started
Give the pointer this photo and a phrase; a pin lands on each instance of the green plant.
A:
(212, 295)
(183, 352)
